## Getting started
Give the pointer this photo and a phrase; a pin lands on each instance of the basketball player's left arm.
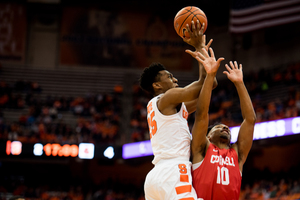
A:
(199, 142)
(191, 106)
(245, 136)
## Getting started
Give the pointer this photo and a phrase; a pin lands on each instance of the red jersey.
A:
(218, 176)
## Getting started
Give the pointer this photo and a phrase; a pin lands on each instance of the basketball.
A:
(185, 16)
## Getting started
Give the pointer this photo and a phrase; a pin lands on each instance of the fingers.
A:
(220, 60)
(231, 65)
(195, 31)
(227, 67)
(203, 39)
(226, 72)
(196, 55)
(241, 67)
(192, 31)
(209, 43)
(200, 55)
(190, 52)
(211, 52)
(198, 25)
(202, 27)
(234, 65)
(205, 52)
(194, 27)
(189, 30)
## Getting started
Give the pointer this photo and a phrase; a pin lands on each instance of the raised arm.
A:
(199, 130)
(245, 137)
(192, 105)
(198, 40)
(191, 92)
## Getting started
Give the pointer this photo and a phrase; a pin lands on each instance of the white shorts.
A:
(170, 179)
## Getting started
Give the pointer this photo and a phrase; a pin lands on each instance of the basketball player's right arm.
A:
(197, 40)
(199, 142)
(191, 105)
(190, 93)
(245, 136)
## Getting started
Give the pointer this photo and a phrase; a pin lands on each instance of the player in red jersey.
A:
(217, 165)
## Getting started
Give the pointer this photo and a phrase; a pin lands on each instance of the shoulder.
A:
(235, 147)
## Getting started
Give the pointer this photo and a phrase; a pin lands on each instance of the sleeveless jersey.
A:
(170, 135)
(218, 176)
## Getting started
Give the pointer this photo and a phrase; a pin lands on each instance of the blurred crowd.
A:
(280, 103)
(277, 187)
(266, 185)
(42, 119)
(110, 190)
(268, 190)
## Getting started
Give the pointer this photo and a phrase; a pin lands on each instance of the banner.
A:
(12, 33)
(105, 38)
(251, 15)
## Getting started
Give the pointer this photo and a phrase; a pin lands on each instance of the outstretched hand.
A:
(210, 63)
(197, 39)
(235, 72)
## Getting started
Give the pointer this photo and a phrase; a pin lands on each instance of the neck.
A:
(158, 93)
(221, 144)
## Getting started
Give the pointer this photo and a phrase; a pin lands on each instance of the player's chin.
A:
(225, 137)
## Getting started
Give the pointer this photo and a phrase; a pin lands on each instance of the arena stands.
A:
(275, 94)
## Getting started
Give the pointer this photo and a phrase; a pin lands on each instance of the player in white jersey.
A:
(170, 179)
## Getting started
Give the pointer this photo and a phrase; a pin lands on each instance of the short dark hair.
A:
(149, 76)
(211, 127)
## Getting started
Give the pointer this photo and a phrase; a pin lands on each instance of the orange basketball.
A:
(185, 16)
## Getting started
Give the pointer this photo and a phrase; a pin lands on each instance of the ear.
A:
(208, 137)
(156, 85)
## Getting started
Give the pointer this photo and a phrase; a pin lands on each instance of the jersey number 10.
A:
(223, 176)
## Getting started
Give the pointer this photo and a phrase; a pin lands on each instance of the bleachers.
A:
(65, 81)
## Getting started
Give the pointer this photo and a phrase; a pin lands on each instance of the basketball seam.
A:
(201, 15)
(191, 7)
(183, 22)
(198, 14)
(180, 15)
(187, 11)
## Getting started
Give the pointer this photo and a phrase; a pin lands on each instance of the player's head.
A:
(219, 132)
(155, 79)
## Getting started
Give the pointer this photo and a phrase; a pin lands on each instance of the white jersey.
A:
(170, 135)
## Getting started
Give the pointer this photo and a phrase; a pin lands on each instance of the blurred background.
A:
(70, 100)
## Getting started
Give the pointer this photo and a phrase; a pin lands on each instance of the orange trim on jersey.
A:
(188, 198)
(183, 189)
(184, 178)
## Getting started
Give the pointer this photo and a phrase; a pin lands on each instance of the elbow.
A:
(215, 83)
(251, 119)
(200, 115)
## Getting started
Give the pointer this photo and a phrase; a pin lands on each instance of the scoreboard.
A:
(81, 150)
